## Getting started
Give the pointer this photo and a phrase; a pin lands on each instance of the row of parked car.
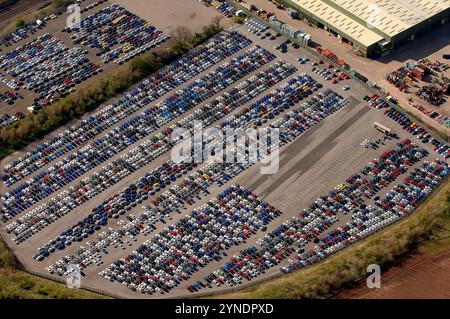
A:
(311, 112)
(401, 201)
(117, 34)
(227, 9)
(192, 187)
(21, 33)
(10, 83)
(7, 120)
(415, 129)
(90, 253)
(37, 219)
(442, 119)
(376, 102)
(166, 79)
(174, 200)
(115, 206)
(10, 97)
(128, 231)
(172, 256)
(205, 87)
(130, 132)
(255, 26)
(186, 193)
(49, 68)
(405, 197)
(336, 75)
(91, 5)
(162, 206)
(313, 236)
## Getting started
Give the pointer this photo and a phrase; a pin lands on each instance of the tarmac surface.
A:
(309, 167)
(432, 46)
(189, 14)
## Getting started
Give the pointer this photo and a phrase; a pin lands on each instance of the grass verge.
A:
(46, 9)
(429, 223)
(17, 284)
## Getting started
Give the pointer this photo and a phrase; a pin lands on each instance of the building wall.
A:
(316, 21)
(420, 29)
(397, 41)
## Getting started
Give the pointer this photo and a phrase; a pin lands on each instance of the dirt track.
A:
(420, 274)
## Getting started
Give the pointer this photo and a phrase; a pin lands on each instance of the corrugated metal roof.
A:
(388, 17)
(393, 16)
(340, 21)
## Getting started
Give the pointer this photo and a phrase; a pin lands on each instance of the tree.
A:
(182, 34)
(20, 23)
(217, 20)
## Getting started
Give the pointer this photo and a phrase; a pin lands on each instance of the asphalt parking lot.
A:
(430, 46)
(314, 163)
(53, 27)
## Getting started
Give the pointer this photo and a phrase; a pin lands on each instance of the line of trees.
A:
(87, 98)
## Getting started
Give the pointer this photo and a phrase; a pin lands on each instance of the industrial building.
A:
(374, 27)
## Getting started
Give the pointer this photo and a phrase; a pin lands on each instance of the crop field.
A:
(105, 194)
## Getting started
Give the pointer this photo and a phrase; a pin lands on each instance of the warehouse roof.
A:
(393, 16)
(340, 21)
(369, 19)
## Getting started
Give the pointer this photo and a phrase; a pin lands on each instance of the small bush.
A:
(26, 283)
(20, 23)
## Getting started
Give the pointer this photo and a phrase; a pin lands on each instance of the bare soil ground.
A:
(168, 15)
(421, 274)
(310, 167)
